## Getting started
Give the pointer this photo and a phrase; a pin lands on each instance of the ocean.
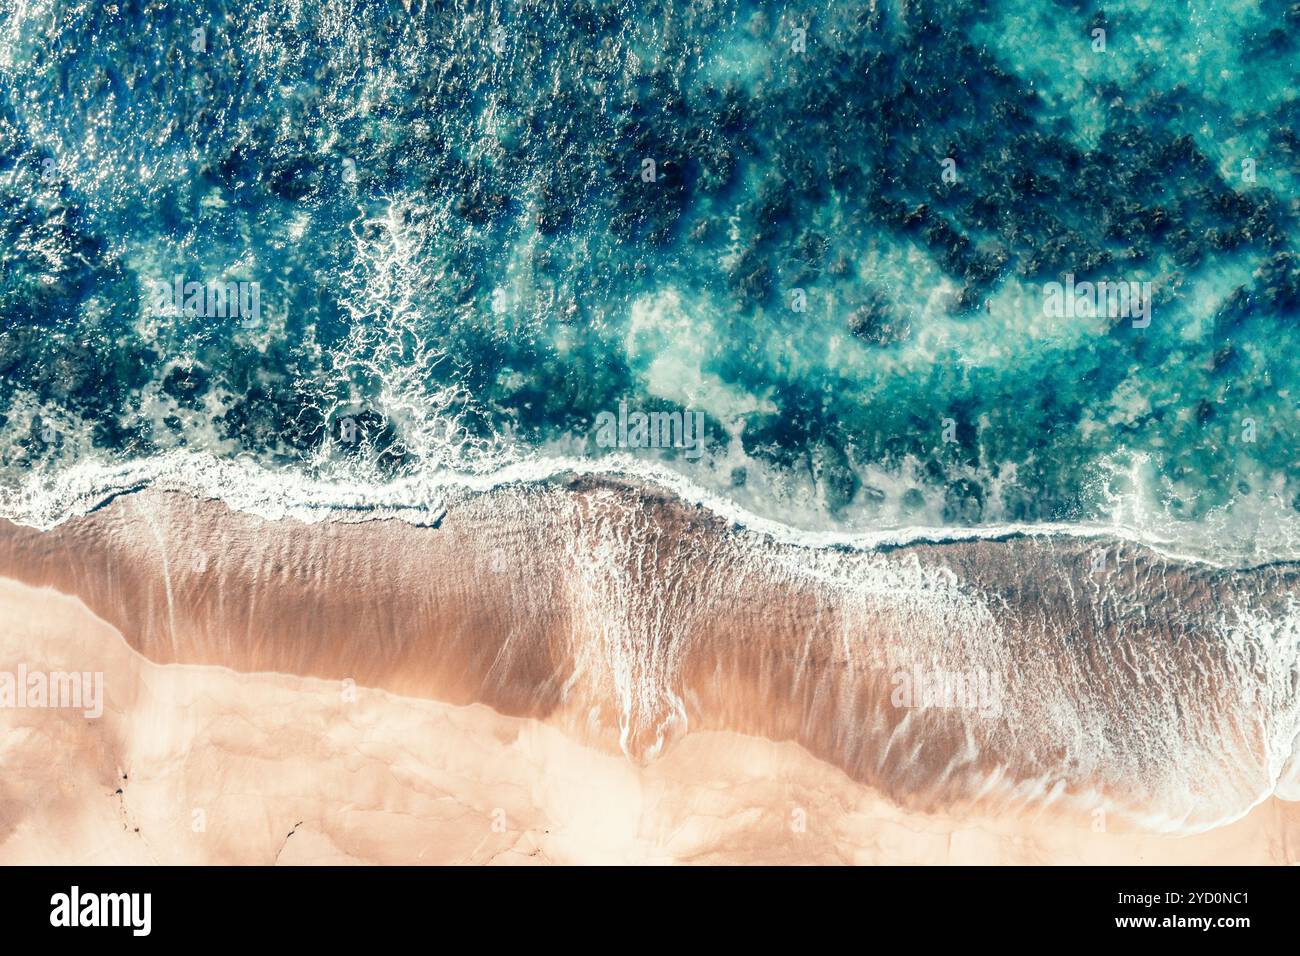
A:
(475, 228)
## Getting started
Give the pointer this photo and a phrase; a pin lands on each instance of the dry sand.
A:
(199, 764)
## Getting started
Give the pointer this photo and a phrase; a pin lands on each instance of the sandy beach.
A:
(522, 684)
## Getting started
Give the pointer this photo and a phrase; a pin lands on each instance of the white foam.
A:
(46, 499)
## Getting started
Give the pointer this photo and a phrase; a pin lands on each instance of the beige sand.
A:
(625, 618)
(218, 767)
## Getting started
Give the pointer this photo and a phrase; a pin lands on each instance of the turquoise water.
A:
(463, 262)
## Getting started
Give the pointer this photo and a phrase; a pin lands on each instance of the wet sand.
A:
(595, 673)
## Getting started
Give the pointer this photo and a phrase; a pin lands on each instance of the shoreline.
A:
(49, 501)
